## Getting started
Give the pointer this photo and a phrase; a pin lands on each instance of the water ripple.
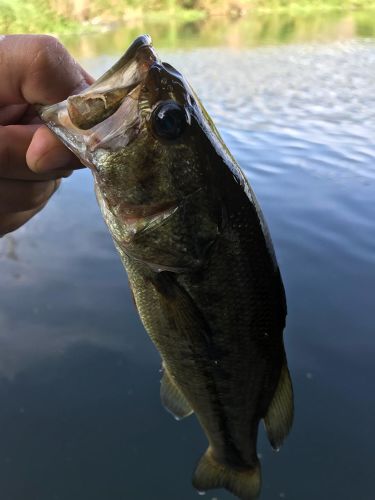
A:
(316, 99)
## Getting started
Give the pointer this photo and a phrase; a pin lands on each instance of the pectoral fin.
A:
(181, 311)
(173, 399)
(279, 417)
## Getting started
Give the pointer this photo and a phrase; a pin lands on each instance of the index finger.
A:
(37, 69)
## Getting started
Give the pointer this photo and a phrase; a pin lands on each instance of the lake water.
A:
(80, 417)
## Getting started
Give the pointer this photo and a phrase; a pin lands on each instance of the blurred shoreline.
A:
(85, 16)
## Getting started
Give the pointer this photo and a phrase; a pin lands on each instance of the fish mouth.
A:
(104, 97)
(106, 114)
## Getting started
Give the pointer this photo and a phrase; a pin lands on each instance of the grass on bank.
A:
(72, 16)
(52, 16)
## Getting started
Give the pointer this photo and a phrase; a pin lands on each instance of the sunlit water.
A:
(80, 417)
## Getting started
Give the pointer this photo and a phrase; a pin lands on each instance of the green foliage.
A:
(365, 25)
(17, 16)
(68, 16)
(35, 16)
(311, 5)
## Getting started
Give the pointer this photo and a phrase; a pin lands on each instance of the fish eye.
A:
(169, 120)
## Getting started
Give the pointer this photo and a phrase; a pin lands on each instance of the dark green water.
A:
(80, 417)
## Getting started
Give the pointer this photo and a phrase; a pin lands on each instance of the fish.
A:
(198, 254)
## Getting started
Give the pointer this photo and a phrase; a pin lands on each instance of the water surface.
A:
(80, 417)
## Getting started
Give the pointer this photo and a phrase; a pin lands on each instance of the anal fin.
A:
(244, 483)
(279, 417)
(173, 399)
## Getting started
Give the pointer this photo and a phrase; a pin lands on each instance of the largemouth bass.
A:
(198, 255)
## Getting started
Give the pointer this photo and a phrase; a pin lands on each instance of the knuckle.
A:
(49, 53)
(45, 44)
(52, 69)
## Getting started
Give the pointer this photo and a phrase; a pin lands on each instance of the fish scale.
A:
(198, 254)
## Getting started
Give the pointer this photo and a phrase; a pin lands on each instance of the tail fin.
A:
(210, 474)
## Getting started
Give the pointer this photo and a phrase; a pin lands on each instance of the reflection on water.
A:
(80, 417)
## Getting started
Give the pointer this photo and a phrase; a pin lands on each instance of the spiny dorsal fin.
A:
(173, 399)
(245, 484)
(279, 417)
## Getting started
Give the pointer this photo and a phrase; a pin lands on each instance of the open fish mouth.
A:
(106, 114)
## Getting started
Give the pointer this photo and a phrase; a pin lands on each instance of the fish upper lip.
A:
(139, 42)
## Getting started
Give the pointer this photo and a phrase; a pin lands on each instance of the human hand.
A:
(35, 69)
